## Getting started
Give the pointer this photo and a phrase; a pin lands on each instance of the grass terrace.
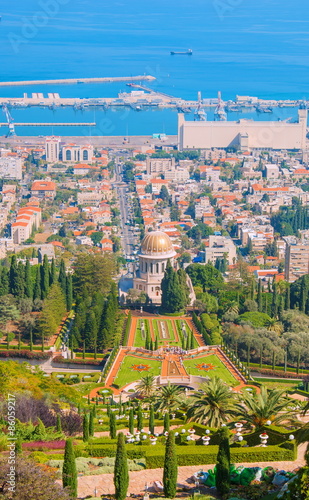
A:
(214, 368)
(127, 374)
(140, 335)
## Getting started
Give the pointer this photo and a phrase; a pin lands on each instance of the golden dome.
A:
(156, 243)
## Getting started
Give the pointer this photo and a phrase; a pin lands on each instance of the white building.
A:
(220, 247)
(159, 165)
(52, 148)
(156, 250)
(11, 167)
(244, 133)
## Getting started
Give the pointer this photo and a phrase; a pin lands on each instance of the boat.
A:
(189, 52)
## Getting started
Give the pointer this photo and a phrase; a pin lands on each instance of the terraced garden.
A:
(168, 332)
(134, 368)
(209, 366)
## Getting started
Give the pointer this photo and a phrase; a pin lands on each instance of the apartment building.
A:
(296, 258)
(220, 247)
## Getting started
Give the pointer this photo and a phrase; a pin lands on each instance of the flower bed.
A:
(25, 354)
(44, 445)
(279, 373)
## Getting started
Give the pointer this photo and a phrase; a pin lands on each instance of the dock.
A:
(69, 81)
(50, 124)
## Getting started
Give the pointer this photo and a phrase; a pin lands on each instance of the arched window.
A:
(85, 154)
(162, 267)
(157, 266)
(68, 155)
(151, 268)
(146, 267)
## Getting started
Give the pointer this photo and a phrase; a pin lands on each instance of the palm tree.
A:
(146, 386)
(167, 397)
(269, 404)
(273, 325)
(213, 404)
(302, 436)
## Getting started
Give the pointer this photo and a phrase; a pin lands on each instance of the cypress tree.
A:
(173, 295)
(94, 411)
(131, 421)
(274, 306)
(147, 341)
(166, 422)
(44, 277)
(112, 425)
(90, 332)
(37, 284)
(188, 343)
(69, 473)
(121, 474)
(85, 428)
(14, 277)
(223, 463)
(151, 420)
(260, 296)
(150, 345)
(69, 292)
(139, 419)
(170, 467)
(302, 296)
(28, 280)
(62, 276)
(191, 341)
(156, 346)
(53, 272)
(58, 424)
(287, 304)
(91, 424)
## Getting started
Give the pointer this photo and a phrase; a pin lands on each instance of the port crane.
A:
(200, 113)
(220, 113)
(10, 120)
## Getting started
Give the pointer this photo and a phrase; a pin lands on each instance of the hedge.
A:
(64, 361)
(25, 354)
(201, 455)
(198, 455)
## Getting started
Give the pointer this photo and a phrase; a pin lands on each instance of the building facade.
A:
(52, 149)
(156, 251)
(296, 259)
(244, 133)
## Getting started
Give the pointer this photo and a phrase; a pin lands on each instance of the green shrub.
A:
(39, 457)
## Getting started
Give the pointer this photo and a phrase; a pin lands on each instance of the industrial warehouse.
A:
(245, 134)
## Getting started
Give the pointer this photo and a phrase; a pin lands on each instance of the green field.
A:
(219, 371)
(139, 341)
(126, 374)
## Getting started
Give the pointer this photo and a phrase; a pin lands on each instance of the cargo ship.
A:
(188, 52)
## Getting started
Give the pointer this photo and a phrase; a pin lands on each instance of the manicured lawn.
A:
(139, 341)
(167, 323)
(219, 369)
(126, 374)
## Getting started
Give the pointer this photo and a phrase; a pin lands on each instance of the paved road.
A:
(116, 142)
(128, 238)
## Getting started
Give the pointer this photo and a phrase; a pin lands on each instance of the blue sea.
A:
(245, 47)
